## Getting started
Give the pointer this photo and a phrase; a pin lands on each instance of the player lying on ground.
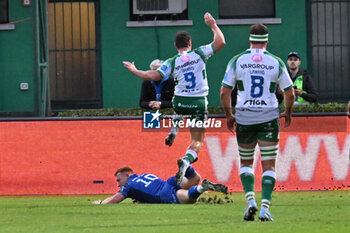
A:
(148, 188)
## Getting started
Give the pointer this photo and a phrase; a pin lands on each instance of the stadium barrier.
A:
(81, 156)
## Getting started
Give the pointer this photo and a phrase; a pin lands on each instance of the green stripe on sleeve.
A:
(212, 46)
(226, 85)
(287, 88)
(233, 61)
(201, 54)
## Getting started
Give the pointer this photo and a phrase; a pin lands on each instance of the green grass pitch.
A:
(323, 211)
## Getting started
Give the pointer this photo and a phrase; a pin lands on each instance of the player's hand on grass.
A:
(97, 202)
(209, 20)
(231, 120)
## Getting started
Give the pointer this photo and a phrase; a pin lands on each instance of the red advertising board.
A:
(80, 157)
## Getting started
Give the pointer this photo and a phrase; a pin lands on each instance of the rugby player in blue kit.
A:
(148, 188)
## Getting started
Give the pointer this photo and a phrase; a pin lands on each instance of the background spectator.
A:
(157, 94)
(304, 87)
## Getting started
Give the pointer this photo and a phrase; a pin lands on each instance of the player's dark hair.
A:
(123, 169)
(182, 39)
(258, 29)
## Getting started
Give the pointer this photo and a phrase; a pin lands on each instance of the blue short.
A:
(168, 192)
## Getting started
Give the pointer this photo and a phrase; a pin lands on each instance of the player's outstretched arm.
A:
(110, 200)
(219, 38)
(146, 75)
(225, 96)
(288, 103)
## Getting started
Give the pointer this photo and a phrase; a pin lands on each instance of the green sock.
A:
(267, 183)
(247, 178)
(191, 155)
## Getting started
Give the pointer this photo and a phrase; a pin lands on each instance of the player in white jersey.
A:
(188, 68)
(257, 74)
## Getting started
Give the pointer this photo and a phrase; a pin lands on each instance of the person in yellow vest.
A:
(304, 88)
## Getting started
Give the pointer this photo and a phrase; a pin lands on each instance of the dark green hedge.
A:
(309, 108)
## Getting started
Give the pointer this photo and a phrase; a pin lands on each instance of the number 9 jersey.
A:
(256, 72)
(189, 71)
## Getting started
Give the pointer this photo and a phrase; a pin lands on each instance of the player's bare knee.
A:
(268, 164)
(245, 163)
(196, 179)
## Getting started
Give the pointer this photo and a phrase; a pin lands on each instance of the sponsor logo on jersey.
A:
(190, 90)
(262, 72)
(185, 58)
(255, 102)
(256, 66)
(187, 64)
(257, 58)
(188, 69)
(187, 105)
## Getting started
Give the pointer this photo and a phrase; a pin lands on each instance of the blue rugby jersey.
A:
(145, 188)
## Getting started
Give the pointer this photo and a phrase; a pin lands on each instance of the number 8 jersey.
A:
(256, 72)
(189, 71)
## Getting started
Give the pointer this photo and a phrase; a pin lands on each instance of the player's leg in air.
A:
(196, 108)
(190, 190)
(169, 140)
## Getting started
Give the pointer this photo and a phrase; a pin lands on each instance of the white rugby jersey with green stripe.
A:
(189, 71)
(257, 74)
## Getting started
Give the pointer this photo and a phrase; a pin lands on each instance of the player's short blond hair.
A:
(123, 169)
